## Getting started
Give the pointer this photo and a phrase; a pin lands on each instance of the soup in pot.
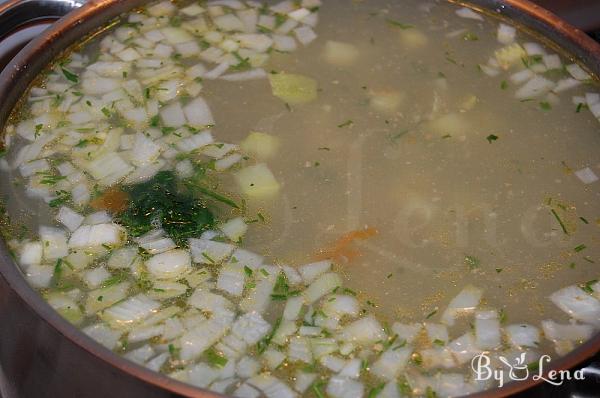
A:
(306, 198)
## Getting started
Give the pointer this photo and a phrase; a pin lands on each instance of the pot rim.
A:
(45, 47)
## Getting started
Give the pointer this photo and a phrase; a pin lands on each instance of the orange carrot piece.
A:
(113, 200)
(340, 250)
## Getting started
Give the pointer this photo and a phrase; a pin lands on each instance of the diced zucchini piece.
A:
(292, 88)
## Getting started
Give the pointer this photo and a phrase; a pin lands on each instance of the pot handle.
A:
(23, 20)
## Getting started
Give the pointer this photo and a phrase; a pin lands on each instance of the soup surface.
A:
(343, 199)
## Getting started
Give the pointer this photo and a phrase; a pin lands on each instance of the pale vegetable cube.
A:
(198, 113)
(257, 182)
(172, 115)
(413, 38)
(310, 272)
(54, 242)
(122, 258)
(261, 145)
(343, 387)
(391, 362)
(234, 229)
(292, 88)
(39, 275)
(102, 298)
(340, 54)
(363, 331)
(206, 251)
(103, 334)
(94, 277)
(169, 265)
(31, 253)
(510, 55)
(325, 284)
(487, 329)
(69, 218)
(523, 335)
(130, 311)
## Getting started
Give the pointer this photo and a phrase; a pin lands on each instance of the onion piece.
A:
(578, 304)
(469, 14)
(487, 329)
(586, 175)
(522, 335)
(343, 387)
(130, 311)
(466, 301)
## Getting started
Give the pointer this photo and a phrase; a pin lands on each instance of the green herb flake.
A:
(206, 256)
(215, 358)
(431, 314)
(545, 106)
(583, 220)
(399, 24)
(317, 388)
(580, 106)
(470, 36)
(587, 287)
(579, 248)
(503, 84)
(106, 112)
(375, 391)
(248, 270)
(472, 262)
(491, 138)
(38, 129)
(560, 222)
(346, 124)
(70, 76)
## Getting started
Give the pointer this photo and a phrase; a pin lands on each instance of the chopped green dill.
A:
(248, 270)
(587, 286)
(545, 106)
(580, 106)
(502, 316)
(243, 63)
(470, 36)
(394, 137)
(48, 178)
(317, 388)
(262, 345)
(498, 270)
(445, 136)
(432, 313)
(429, 393)
(61, 198)
(503, 84)
(173, 350)
(346, 124)
(398, 24)
(560, 222)
(472, 262)
(375, 391)
(206, 256)
(491, 138)
(584, 220)
(38, 129)
(215, 358)
(70, 76)
(106, 112)
(82, 143)
(579, 248)
(439, 342)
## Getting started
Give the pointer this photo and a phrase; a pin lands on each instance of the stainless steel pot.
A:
(41, 354)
